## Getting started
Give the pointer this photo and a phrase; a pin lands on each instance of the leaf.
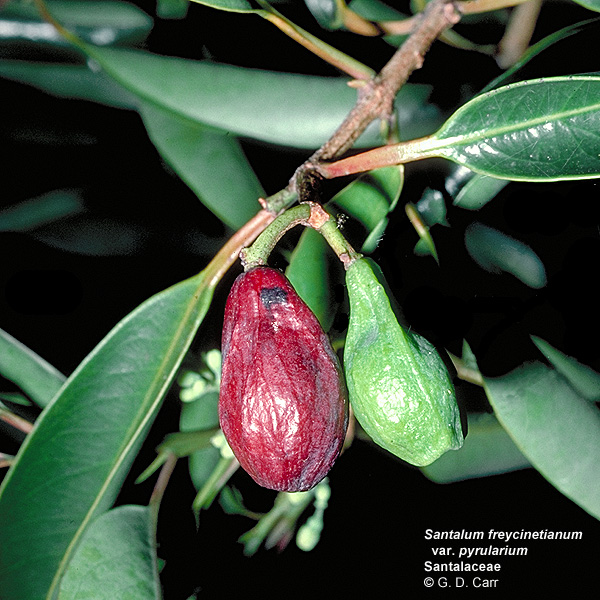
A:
(495, 251)
(201, 415)
(35, 212)
(71, 467)
(69, 81)
(100, 23)
(370, 199)
(310, 271)
(478, 190)
(555, 428)
(172, 9)
(585, 380)
(591, 4)
(288, 109)
(552, 42)
(488, 450)
(326, 12)
(211, 163)
(115, 559)
(36, 377)
(240, 6)
(538, 130)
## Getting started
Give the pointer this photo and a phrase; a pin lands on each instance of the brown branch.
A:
(376, 97)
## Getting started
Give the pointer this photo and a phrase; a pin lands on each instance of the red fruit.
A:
(283, 400)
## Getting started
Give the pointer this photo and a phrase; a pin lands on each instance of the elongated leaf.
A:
(69, 81)
(515, 73)
(584, 379)
(240, 6)
(488, 450)
(116, 559)
(71, 467)
(101, 23)
(211, 163)
(591, 4)
(288, 109)
(554, 427)
(540, 130)
(47, 208)
(36, 377)
(496, 251)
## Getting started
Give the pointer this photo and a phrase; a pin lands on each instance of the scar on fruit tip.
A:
(274, 295)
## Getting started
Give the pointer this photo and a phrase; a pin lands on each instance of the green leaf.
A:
(591, 4)
(326, 12)
(101, 23)
(172, 9)
(370, 199)
(515, 73)
(488, 450)
(584, 379)
(115, 559)
(201, 415)
(69, 81)
(310, 271)
(478, 190)
(539, 130)
(36, 377)
(211, 163)
(282, 108)
(496, 251)
(554, 427)
(239, 6)
(44, 209)
(432, 208)
(71, 466)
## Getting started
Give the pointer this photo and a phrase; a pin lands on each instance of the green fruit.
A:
(399, 387)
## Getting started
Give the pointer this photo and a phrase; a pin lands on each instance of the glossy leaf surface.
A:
(540, 130)
(71, 467)
(35, 376)
(116, 559)
(554, 427)
(211, 163)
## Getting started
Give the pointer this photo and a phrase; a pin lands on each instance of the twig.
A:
(376, 97)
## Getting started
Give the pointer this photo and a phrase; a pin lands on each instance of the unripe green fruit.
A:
(398, 385)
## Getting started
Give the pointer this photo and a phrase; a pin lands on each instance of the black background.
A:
(60, 301)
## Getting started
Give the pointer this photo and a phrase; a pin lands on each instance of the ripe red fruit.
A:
(283, 400)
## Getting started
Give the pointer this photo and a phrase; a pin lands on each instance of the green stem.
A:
(259, 252)
(339, 244)
(328, 53)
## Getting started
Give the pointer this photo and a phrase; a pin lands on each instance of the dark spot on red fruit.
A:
(274, 295)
